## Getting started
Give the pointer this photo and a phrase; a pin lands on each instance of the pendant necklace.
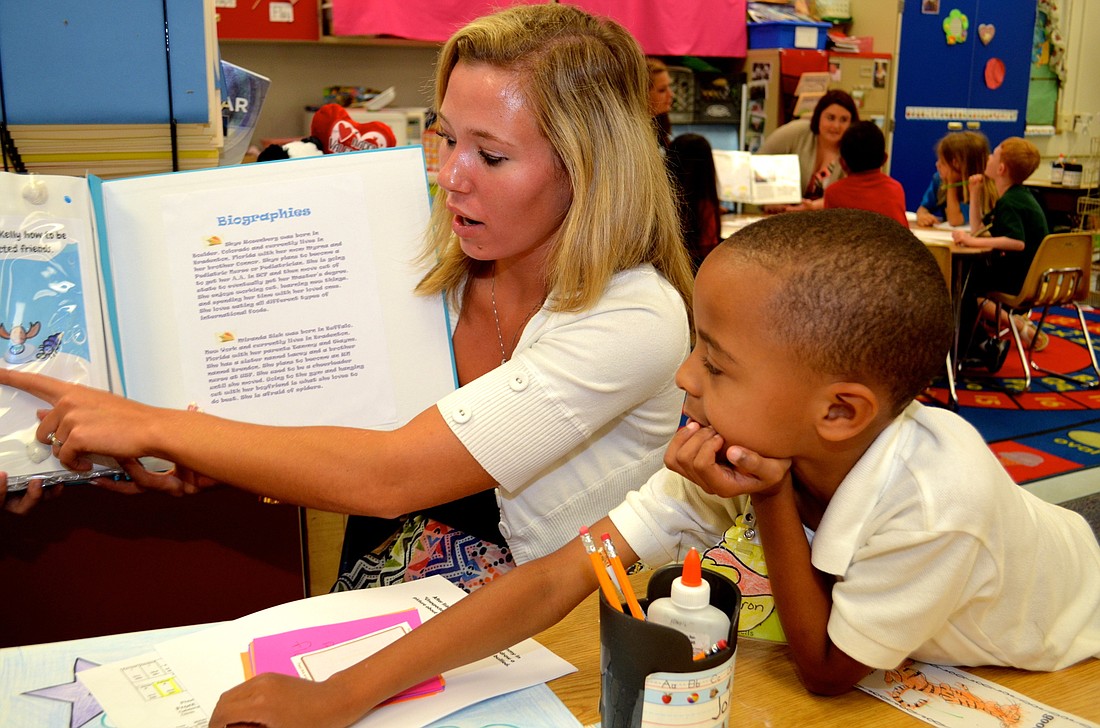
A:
(496, 318)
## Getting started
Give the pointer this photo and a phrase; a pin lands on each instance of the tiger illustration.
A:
(909, 678)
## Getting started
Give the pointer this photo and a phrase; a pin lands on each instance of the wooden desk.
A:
(766, 691)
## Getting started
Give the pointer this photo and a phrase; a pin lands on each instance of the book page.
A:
(278, 292)
(277, 298)
(734, 170)
(50, 320)
(776, 179)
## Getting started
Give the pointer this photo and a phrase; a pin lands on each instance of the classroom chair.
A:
(942, 254)
(1059, 276)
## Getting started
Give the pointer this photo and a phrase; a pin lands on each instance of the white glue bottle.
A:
(689, 610)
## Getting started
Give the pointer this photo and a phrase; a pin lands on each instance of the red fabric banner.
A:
(662, 27)
(414, 19)
(682, 28)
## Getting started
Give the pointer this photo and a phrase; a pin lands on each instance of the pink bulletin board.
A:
(700, 28)
(434, 21)
(703, 27)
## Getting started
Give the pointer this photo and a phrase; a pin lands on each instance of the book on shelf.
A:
(104, 89)
(279, 293)
(242, 93)
(758, 179)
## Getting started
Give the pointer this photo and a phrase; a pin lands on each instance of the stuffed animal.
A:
(338, 132)
(307, 147)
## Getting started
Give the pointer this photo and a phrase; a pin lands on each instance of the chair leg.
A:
(953, 402)
(1088, 345)
(1025, 358)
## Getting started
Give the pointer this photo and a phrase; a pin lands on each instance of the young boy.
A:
(815, 331)
(1016, 225)
(862, 154)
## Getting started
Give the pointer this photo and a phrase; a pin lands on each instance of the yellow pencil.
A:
(620, 574)
(601, 572)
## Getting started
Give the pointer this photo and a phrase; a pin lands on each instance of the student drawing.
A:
(907, 678)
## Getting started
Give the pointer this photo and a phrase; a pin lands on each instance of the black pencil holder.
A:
(648, 669)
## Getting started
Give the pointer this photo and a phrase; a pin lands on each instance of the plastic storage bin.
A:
(788, 34)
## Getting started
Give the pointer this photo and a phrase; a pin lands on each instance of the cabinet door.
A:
(92, 562)
(942, 87)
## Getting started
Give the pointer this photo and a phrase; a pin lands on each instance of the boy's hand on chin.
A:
(700, 454)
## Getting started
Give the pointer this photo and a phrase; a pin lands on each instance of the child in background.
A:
(1016, 226)
(862, 154)
(800, 399)
(691, 162)
(958, 156)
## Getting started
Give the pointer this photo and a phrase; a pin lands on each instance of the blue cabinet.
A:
(944, 86)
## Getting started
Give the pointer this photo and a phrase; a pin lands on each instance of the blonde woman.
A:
(555, 236)
(660, 100)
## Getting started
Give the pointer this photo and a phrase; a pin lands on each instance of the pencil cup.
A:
(648, 676)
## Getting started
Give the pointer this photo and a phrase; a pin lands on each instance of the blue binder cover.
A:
(79, 62)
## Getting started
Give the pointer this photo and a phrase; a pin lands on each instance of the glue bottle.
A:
(689, 610)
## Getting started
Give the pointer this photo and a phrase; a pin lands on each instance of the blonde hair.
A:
(967, 152)
(585, 83)
(655, 66)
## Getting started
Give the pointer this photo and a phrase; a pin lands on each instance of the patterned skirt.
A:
(422, 547)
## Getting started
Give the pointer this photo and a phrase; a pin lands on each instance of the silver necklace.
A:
(496, 318)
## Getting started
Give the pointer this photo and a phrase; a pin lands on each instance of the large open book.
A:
(278, 293)
(759, 179)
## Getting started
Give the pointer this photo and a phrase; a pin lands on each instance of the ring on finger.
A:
(53, 439)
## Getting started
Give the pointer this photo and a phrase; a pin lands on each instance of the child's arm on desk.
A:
(518, 605)
(961, 237)
(803, 595)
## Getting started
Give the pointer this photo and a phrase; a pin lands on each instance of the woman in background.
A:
(660, 99)
(691, 163)
(816, 141)
(554, 265)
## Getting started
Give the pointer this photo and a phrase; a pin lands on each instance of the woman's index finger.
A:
(47, 389)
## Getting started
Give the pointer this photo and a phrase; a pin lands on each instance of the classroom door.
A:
(949, 83)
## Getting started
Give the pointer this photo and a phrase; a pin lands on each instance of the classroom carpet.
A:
(1050, 430)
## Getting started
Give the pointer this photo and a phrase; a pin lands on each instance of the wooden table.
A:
(766, 691)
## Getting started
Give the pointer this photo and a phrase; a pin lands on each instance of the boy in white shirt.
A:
(815, 332)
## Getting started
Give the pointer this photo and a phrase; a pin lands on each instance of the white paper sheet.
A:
(207, 663)
(953, 698)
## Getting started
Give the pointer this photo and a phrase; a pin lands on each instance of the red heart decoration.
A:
(338, 132)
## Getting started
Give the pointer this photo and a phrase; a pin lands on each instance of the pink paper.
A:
(273, 653)
(701, 28)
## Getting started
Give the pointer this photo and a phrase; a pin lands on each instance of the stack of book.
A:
(116, 150)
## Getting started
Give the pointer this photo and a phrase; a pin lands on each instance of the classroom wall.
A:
(1081, 93)
(300, 72)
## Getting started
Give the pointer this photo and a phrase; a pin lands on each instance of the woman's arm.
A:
(361, 471)
(508, 610)
(592, 365)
